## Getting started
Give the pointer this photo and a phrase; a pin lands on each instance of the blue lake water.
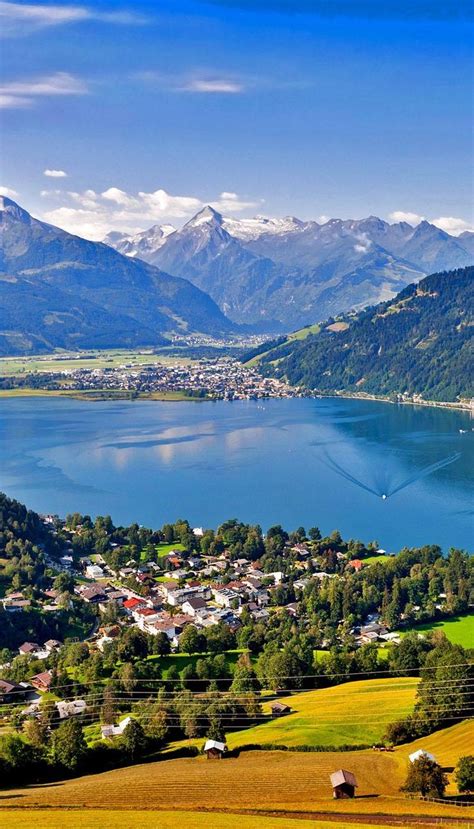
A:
(277, 461)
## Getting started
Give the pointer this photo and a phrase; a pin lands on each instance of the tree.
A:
(191, 641)
(215, 730)
(134, 739)
(425, 777)
(464, 774)
(69, 745)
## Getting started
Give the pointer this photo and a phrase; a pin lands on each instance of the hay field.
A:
(447, 746)
(109, 819)
(356, 713)
(287, 783)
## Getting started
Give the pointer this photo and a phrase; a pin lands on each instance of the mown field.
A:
(109, 819)
(459, 630)
(353, 714)
(289, 784)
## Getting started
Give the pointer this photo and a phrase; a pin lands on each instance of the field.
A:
(459, 630)
(16, 366)
(338, 716)
(288, 784)
(108, 819)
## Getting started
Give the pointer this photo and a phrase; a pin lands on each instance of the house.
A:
(70, 709)
(356, 564)
(193, 606)
(421, 754)
(115, 730)
(12, 691)
(52, 645)
(226, 598)
(168, 628)
(214, 749)
(130, 605)
(279, 709)
(93, 571)
(343, 784)
(95, 594)
(29, 648)
(42, 681)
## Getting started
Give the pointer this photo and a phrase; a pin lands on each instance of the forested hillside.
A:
(419, 343)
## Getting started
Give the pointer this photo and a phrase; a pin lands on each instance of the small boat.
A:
(463, 431)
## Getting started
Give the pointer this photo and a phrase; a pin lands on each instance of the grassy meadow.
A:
(343, 715)
(459, 630)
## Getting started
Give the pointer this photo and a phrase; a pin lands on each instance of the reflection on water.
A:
(291, 461)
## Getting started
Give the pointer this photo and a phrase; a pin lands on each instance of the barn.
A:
(278, 709)
(214, 749)
(343, 784)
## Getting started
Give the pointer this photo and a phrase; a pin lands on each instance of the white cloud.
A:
(8, 192)
(213, 85)
(452, 225)
(363, 243)
(203, 82)
(55, 173)
(19, 94)
(402, 216)
(232, 203)
(93, 214)
(21, 19)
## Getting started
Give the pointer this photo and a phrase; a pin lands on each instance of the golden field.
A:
(288, 784)
(110, 819)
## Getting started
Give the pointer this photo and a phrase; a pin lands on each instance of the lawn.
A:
(459, 630)
(343, 715)
(164, 549)
(377, 559)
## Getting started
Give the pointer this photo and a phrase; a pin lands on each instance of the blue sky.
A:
(312, 107)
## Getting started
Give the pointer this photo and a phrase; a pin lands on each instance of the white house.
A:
(93, 571)
(70, 709)
(115, 730)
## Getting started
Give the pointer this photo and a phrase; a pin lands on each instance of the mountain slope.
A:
(285, 273)
(419, 343)
(57, 290)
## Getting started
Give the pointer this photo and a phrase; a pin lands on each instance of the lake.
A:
(293, 462)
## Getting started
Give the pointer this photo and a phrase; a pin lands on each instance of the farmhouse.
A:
(115, 730)
(343, 784)
(214, 749)
(42, 681)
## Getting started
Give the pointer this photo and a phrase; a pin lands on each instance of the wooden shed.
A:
(343, 784)
(214, 749)
(278, 709)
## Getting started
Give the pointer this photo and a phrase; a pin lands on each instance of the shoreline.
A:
(438, 404)
(92, 395)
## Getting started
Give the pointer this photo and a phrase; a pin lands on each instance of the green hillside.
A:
(419, 343)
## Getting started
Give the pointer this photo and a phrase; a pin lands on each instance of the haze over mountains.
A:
(61, 291)
(281, 274)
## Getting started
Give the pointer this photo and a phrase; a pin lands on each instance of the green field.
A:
(16, 366)
(342, 715)
(301, 334)
(459, 630)
(377, 559)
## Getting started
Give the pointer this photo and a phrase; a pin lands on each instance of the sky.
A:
(118, 116)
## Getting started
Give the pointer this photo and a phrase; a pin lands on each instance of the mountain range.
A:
(419, 343)
(281, 274)
(60, 291)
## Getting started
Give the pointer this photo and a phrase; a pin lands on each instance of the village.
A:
(222, 378)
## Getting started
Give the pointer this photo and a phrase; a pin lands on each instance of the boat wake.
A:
(381, 487)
